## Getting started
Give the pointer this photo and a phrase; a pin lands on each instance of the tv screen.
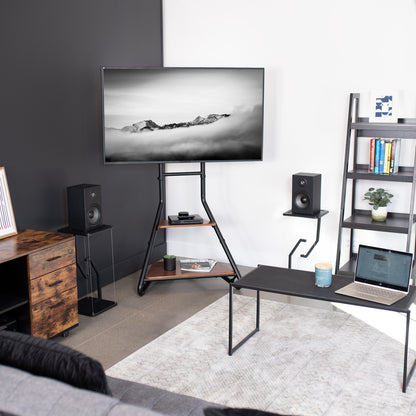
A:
(182, 114)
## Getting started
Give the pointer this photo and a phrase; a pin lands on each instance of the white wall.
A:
(314, 54)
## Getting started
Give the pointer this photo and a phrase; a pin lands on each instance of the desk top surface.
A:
(301, 283)
(28, 241)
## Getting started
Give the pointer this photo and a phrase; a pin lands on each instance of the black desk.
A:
(302, 284)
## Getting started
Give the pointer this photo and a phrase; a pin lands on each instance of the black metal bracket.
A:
(318, 217)
(162, 190)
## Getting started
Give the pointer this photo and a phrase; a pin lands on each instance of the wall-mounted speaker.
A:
(306, 193)
(84, 207)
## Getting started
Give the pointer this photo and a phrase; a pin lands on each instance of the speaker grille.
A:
(302, 201)
(94, 215)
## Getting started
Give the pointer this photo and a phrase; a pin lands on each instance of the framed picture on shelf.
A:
(383, 107)
(7, 222)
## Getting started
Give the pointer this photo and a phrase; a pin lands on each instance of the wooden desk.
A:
(38, 286)
(301, 283)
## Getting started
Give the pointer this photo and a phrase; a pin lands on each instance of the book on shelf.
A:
(384, 156)
(372, 155)
(377, 157)
(387, 154)
(396, 145)
(197, 265)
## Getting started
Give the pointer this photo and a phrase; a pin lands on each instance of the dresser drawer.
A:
(52, 258)
(52, 284)
(55, 315)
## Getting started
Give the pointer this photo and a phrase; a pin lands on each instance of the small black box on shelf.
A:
(182, 220)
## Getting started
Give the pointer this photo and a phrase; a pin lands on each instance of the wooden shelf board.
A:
(165, 224)
(156, 271)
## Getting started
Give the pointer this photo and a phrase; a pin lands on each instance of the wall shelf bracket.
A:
(318, 217)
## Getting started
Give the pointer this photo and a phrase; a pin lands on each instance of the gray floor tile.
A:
(137, 320)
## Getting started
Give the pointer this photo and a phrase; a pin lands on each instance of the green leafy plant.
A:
(378, 197)
(169, 256)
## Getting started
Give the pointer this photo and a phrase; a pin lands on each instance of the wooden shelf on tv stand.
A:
(157, 272)
(166, 224)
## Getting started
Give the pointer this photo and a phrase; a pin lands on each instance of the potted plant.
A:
(169, 262)
(378, 199)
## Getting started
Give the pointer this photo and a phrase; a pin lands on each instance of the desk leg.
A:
(231, 349)
(407, 376)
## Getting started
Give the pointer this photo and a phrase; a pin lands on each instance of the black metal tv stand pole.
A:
(160, 209)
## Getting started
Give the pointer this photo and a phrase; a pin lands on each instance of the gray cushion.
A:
(25, 394)
(159, 400)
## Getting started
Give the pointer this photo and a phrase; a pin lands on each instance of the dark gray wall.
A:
(51, 53)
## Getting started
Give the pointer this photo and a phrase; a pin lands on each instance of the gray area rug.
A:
(304, 361)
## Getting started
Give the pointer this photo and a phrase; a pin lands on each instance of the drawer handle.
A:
(58, 304)
(56, 283)
(54, 258)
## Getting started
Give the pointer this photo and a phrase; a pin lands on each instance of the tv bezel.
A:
(139, 162)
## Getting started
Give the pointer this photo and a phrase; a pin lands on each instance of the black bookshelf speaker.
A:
(84, 207)
(306, 193)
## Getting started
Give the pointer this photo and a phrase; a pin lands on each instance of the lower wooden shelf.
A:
(10, 302)
(157, 272)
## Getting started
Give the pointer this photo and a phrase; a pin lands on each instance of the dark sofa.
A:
(42, 377)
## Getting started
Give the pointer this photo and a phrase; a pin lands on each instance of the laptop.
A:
(381, 275)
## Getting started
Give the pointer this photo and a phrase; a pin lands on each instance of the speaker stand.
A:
(92, 305)
(318, 217)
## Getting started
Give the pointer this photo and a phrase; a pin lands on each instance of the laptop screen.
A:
(383, 267)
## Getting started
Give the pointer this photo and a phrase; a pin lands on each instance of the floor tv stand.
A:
(156, 272)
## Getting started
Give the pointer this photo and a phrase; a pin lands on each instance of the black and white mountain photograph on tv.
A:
(182, 114)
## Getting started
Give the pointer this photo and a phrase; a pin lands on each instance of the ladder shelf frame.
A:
(402, 223)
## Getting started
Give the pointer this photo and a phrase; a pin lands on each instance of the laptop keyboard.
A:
(376, 291)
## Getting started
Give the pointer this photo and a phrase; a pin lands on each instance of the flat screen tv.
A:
(182, 114)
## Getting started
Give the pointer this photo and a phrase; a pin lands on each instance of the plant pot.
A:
(379, 214)
(169, 262)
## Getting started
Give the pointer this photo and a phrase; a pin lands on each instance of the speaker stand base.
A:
(91, 306)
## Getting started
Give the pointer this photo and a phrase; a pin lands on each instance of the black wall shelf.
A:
(405, 174)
